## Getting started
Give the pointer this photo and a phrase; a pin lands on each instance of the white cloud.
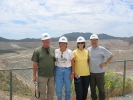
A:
(30, 18)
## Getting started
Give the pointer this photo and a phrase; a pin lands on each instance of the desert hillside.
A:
(18, 55)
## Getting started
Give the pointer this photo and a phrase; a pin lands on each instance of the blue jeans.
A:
(62, 77)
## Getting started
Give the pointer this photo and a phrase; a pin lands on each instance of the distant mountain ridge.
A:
(70, 36)
(75, 35)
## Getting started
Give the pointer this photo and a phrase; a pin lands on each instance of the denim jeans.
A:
(81, 87)
(62, 77)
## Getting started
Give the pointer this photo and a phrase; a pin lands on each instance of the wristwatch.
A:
(105, 62)
(72, 72)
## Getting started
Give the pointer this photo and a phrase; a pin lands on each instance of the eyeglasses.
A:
(62, 55)
(92, 40)
(80, 42)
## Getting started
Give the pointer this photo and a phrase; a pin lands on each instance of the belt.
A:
(63, 67)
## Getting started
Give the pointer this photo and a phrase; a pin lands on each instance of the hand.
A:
(34, 78)
(76, 75)
(71, 76)
(103, 64)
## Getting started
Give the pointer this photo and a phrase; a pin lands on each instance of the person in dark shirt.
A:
(43, 68)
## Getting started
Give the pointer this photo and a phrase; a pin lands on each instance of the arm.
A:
(88, 58)
(108, 60)
(35, 66)
(73, 69)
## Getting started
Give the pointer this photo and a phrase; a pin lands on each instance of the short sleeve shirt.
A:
(97, 56)
(63, 59)
(81, 62)
(45, 61)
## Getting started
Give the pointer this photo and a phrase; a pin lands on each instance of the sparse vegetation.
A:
(114, 84)
(19, 87)
(7, 51)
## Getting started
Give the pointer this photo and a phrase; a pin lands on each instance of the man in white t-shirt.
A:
(97, 64)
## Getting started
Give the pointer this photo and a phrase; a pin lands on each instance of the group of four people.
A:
(58, 67)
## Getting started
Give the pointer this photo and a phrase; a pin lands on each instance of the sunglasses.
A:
(47, 51)
(80, 42)
(62, 55)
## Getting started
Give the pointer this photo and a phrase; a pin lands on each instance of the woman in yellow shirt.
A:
(82, 72)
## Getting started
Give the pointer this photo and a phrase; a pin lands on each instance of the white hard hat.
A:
(80, 39)
(63, 39)
(45, 36)
(93, 36)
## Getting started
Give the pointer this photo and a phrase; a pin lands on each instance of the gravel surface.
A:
(127, 97)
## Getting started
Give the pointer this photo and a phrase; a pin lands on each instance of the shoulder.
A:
(102, 48)
(52, 48)
(57, 50)
(74, 51)
(85, 50)
(38, 49)
(89, 48)
(68, 50)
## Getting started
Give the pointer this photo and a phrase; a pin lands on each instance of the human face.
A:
(94, 43)
(81, 45)
(46, 43)
(63, 45)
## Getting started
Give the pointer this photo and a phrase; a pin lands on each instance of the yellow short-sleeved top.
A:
(81, 62)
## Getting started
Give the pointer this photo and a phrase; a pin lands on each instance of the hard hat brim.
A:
(45, 38)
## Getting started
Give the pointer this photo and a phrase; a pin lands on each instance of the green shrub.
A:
(72, 87)
(114, 84)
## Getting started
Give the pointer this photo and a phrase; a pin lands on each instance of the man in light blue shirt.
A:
(97, 55)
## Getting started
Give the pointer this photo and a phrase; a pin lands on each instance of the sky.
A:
(21, 19)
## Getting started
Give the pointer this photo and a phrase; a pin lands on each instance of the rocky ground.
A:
(22, 59)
